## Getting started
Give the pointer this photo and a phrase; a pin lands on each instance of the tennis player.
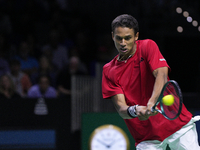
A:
(134, 80)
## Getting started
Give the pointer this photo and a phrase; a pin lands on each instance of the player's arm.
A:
(122, 108)
(160, 75)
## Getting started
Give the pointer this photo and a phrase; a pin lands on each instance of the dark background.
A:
(158, 20)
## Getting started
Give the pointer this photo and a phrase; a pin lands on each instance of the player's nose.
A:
(123, 43)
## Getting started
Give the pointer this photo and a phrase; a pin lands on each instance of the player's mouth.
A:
(123, 50)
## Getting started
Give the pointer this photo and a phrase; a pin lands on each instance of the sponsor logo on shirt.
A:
(142, 59)
(162, 59)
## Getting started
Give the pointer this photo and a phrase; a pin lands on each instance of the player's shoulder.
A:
(147, 45)
(108, 66)
(146, 42)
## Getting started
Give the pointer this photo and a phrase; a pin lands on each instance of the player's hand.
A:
(141, 112)
(149, 108)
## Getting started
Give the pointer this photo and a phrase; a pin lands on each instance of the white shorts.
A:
(184, 139)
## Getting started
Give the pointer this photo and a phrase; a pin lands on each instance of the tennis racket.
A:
(173, 111)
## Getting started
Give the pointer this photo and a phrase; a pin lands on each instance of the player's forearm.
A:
(121, 106)
(123, 112)
(129, 112)
(160, 79)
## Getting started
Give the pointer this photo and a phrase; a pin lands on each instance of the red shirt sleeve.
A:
(110, 87)
(154, 57)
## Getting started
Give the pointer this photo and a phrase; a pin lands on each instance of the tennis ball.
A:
(168, 100)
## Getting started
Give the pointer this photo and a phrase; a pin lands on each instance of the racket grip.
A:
(152, 109)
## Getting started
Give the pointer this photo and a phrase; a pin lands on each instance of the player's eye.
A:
(118, 38)
(127, 38)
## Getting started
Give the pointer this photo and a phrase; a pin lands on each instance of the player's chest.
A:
(125, 74)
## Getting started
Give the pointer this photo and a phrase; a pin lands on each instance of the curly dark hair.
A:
(125, 20)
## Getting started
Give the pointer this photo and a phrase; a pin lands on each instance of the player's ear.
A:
(136, 36)
(112, 35)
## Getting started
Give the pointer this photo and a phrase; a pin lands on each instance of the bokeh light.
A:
(189, 19)
(180, 29)
(199, 28)
(179, 10)
(194, 23)
(185, 14)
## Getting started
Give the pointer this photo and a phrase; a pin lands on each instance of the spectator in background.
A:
(4, 65)
(29, 64)
(45, 67)
(7, 88)
(20, 79)
(75, 67)
(55, 52)
(42, 89)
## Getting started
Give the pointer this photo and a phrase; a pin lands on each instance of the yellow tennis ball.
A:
(168, 100)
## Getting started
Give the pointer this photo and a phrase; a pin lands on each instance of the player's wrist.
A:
(132, 112)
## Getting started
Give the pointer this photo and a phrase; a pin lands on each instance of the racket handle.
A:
(152, 109)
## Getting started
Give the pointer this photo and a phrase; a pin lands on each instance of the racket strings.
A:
(173, 110)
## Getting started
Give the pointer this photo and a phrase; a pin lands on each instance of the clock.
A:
(109, 137)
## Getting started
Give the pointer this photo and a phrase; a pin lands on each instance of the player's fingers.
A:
(142, 117)
(142, 114)
(151, 112)
(148, 112)
(154, 113)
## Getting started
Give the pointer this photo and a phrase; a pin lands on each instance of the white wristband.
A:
(132, 111)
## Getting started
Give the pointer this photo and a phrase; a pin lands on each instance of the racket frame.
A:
(178, 90)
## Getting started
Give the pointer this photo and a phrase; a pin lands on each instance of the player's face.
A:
(124, 39)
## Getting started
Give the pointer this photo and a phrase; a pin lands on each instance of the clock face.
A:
(109, 137)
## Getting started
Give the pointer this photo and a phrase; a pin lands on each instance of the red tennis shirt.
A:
(135, 80)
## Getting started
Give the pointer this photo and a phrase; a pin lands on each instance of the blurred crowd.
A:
(44, 42)
(41, 47)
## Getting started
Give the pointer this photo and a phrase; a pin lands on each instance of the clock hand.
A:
(103, 143)
(111, 143)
